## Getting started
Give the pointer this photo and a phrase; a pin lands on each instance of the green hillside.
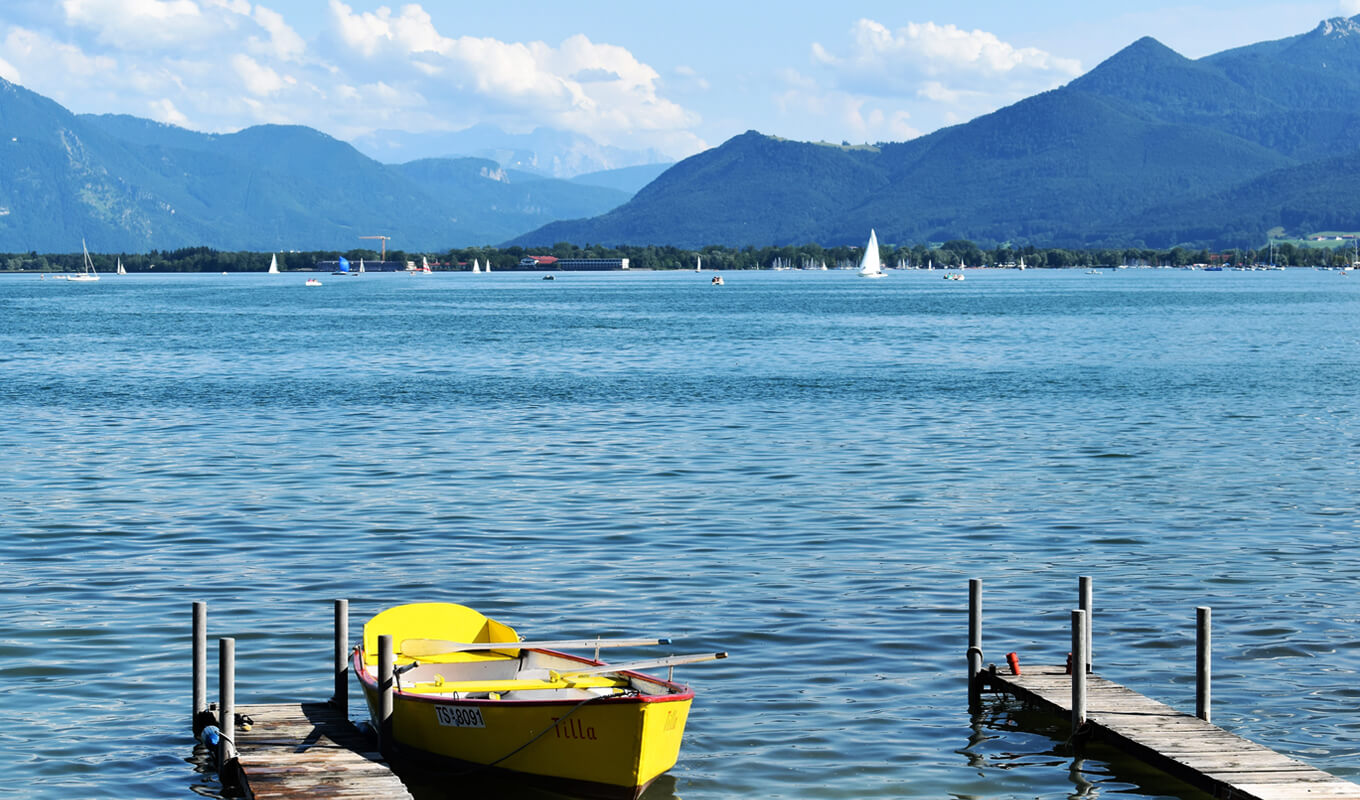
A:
(1145, 137)
(132, 185)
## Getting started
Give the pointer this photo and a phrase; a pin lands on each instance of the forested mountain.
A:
(128, 184)
(1148, 148)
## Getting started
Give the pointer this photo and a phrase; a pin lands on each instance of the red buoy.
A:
(1014, 661)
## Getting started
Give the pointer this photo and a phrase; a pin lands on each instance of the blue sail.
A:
(344, 264)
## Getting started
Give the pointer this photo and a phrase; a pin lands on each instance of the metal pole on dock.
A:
(1084, 589)
(974, 644)
(341, 697)
(385, 685)
(1078, 674)
(200, 657)
(226, 694)
(1202, 661)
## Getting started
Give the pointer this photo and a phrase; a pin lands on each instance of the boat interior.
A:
(533, 675)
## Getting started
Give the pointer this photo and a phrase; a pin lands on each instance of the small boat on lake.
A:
(313, 281)
(87, 271)
(871, 266)
(274, 264)
(469, 692)
(717, 280)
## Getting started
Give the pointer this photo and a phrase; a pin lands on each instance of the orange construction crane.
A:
(384, 244)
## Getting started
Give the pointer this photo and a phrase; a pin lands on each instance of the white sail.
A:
(871, 266)
(698, 263)
(274, 264)
(121, 271)
(87, 272)
(361, 265)
(488, 265)
(476, 265)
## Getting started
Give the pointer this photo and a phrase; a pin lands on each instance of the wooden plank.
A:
(1202, 754)
(311, 750)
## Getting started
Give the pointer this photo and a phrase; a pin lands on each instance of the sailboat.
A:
(87, 272)
(488, 265)
(424, 266)
(698, 263)
(274, 264)
(361, 266)
(871, 266)
(476, 265)
(121, 271)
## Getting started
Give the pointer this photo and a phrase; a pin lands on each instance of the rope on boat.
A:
(538, 735)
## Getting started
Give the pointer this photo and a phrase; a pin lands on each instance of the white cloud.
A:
(284, 42)
(147, 23)
(8, 72)
(163, 110)
(886, 62)
(256, 77)
(598, 89)
(845, 116)
(227, 64)
(888, 84)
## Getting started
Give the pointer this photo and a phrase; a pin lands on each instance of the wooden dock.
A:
(1198, 752)
(310, 750)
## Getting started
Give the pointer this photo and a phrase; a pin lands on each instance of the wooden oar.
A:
(633, 666)
(422, 648)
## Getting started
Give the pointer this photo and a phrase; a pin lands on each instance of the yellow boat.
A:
(471, 696)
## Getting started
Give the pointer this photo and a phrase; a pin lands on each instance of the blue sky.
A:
(674, 78)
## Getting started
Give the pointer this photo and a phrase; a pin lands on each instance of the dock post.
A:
(385, 681)
(341, 697)
(974, 644)
(226, 700)
(200, 656)
(1084, 588)
(1202, 662)
(1078, 674)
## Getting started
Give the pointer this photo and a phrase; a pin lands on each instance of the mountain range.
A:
(1148, 149)
(130, 184)
(545, 152)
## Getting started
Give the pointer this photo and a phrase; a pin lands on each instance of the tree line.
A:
(947, 254)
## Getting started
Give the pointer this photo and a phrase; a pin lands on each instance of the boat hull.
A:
(597, 746)
(525, 710)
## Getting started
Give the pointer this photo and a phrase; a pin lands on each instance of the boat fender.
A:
(210, 736)
(1014, 661)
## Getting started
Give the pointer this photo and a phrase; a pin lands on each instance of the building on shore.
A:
(572, 264)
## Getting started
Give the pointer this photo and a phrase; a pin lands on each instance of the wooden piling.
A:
(341, 696)
(226, 698)
(386, 661)
(974, 644)
(1202, 662)
(200, 654)
(1084, 603)
(1078, 670)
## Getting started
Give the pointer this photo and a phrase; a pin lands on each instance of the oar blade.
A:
(652, 663)
(424, 648)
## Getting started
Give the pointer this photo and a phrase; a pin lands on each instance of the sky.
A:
(668, 78)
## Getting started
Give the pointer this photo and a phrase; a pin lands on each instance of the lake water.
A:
(802, 469)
